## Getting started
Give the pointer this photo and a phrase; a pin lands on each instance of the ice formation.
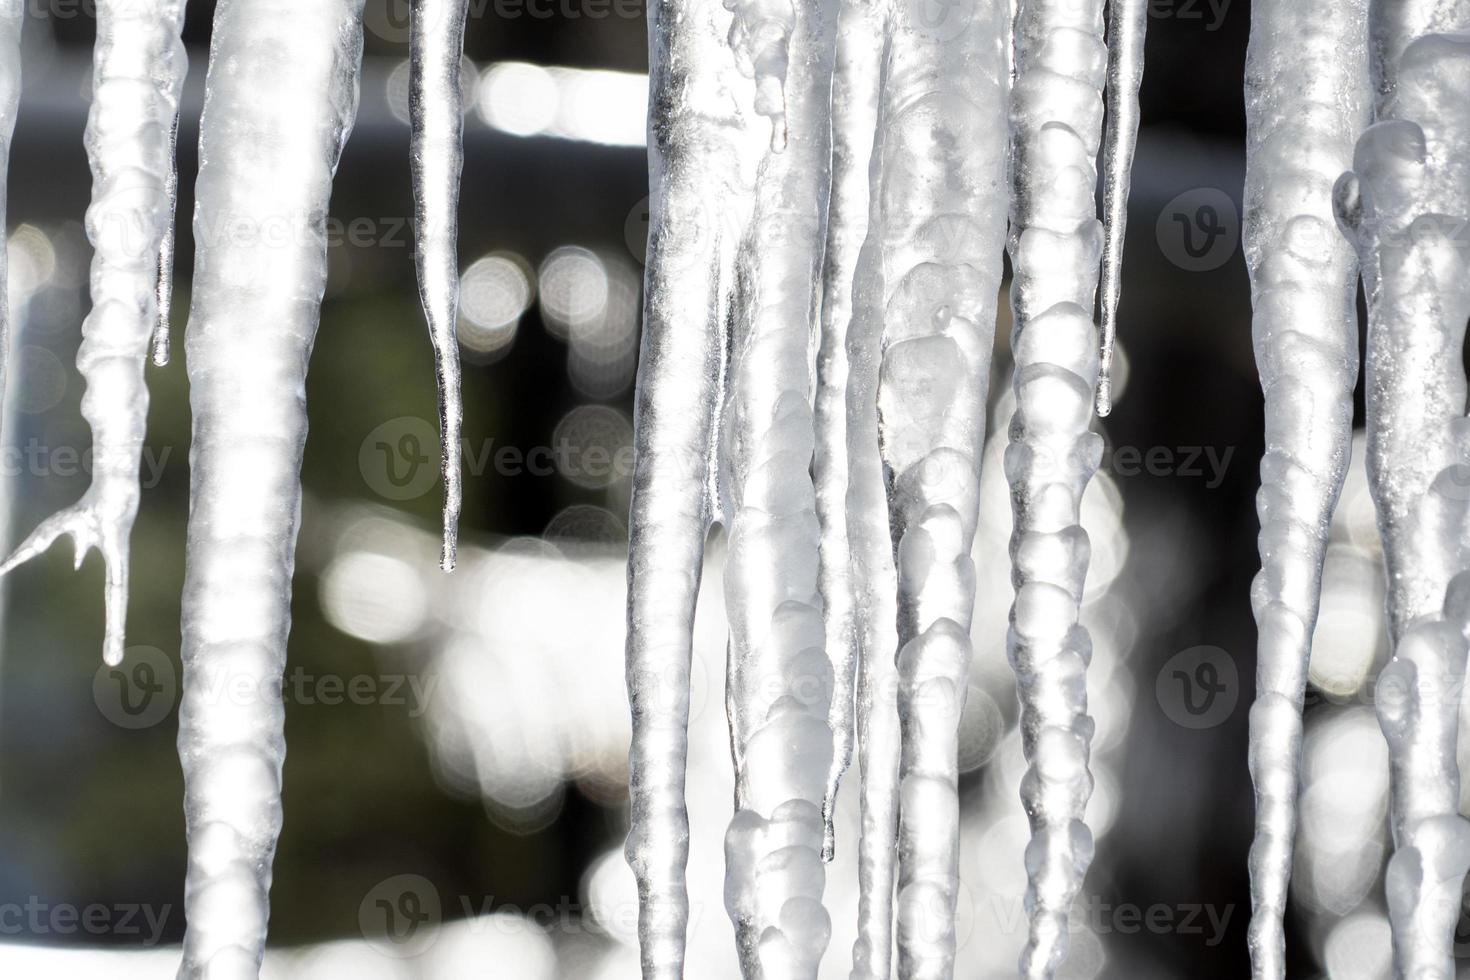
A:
(1307, 99)
(1404, 205)
(1055, 244)
(281, 97)
(138, 74)
(436, 103)
(12, 16)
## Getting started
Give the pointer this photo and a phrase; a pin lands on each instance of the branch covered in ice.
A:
(436, 103)
(280, 101)
(1127, 24)
(939, 229)
(1307, 98)
(780, 681)
(698, 180)
(1055, 244)
(137, 78)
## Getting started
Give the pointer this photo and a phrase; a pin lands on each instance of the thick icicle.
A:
(12, 16)
(1405, 205)
(137, 78)
(780, 680)
(696, 179)
(854, 119)
(280, 101)
(436, 103)
(1127, 24)
(1055, 244)
(1307, 98)
(939, 228)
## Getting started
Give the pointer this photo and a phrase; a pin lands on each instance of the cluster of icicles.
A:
(281, 97)
(833, 188)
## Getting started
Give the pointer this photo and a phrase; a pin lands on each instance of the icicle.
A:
(1419, 709)
(280, 100)
(939, 227)
(137, 79)
(437, 107)
(1307, 98)
(12, 17)
(761, 35)
(1055, 244)
(1404, 205)
(1127, 22)
(854, 112)
(164, 291)
(780, 680)
(697, 180)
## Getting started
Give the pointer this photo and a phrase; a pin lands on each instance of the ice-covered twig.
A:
(436, 104)
(939, 229)
(1307, 98)
(1055, 244)
(281, 97)
(1127, 23)
(780, 680)
(137, 78)
(699, 189)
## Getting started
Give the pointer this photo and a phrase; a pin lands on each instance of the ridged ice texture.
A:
(1127, 25)
(12, 16)
(175, 70)
(1419, 710)
(436, 108)
(1404, 206)
(280, 101)
(698, 187)
(761, 35)
(1307, 99)
(939, 226)
(137, 77)
(779, 685)
(854, 112)
(1055, 244)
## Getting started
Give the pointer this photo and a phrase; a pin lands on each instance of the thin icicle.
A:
(698, 178)
(1055, 245)
(12, 17)
(780, 680)
(1127, 23)
(137, 78)
(281, 97)
(939, 226)
(854, 113)
(761, 37)
(436, 102)
(1307, 98)
(163, 294)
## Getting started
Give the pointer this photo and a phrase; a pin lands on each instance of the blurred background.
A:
(454, 786)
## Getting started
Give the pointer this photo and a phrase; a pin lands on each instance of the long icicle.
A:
(941, 227)
(280, 101)
(695, 138)
(854, 114)
(138, 75)
(1405, 205)
(1055, 244)
(161, 343)
(780, 680)
(436, 104)
(12, 17)
(1307, 99)
(1127, 24)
